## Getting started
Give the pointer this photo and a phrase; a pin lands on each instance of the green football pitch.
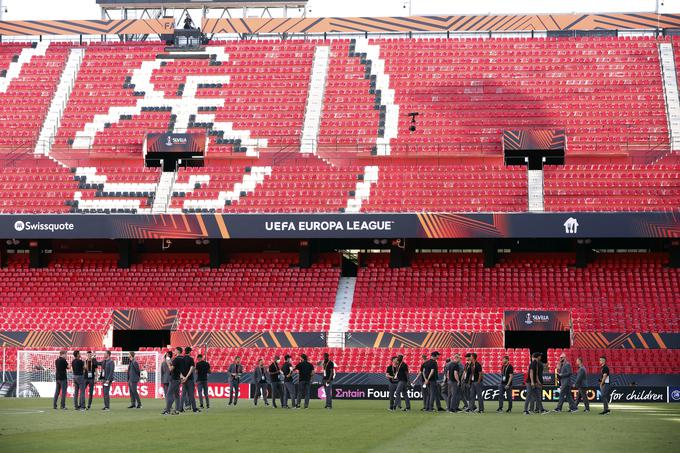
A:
(32, 425)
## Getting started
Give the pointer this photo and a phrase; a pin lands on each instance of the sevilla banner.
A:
(538, 320)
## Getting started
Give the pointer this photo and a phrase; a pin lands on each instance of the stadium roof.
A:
(198, 3)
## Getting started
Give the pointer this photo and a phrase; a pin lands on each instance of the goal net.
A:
(36, 374)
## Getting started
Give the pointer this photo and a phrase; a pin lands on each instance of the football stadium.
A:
(348, 226)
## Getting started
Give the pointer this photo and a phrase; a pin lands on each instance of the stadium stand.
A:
(251, 293)
(628, 361)
(467, 297)
(606, 92)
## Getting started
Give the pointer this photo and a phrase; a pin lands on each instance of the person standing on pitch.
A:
(476, 377)
(419, 378)
(465, 381)
(505, 387)
(61, 378)
(564, 373)
(133, 373)
(90, 370)
(430, 377)
(78, 367)
(391, 375)
(538, 400)
(165, 373)
(288, 387)
(453, 382)
(261, 382)
(305, 372)
(275, 380)
(580, 385)
(604, 385)
(529, 384)
(202, 372)
(327, 379)
(235, 372)
(402, 384)
(107, 379)
(188, 386)
(172, 396)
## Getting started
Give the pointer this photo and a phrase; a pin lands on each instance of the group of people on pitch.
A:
(179, 369)
(85, 375)
(463, 382)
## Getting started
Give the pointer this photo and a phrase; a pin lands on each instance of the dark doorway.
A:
(537, 341)
(132, 340)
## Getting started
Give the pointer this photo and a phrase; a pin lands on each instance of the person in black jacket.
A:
(402, 384)
(275, 380)
(60, 369)
(78, 367)
(202, 372)
(90, 371)
(328, 368)
(305, 372)
(505, 386)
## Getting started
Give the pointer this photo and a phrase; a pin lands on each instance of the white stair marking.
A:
(342, 310)
(59, 101)
(315, 96)
(248, 184)
(535, 182)
(163, 192)
(387, 98)
(25, 57)
(363, 189)
(670, 90)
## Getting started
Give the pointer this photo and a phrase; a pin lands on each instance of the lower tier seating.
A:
(623, 361)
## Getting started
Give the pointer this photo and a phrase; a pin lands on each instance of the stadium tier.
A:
(253, 99)
(252, 293)
(455, 292)
(437, 293)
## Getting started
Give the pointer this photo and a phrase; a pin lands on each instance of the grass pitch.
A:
(28, 425)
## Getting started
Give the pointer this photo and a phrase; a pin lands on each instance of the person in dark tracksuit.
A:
(402, 384)
(505, 386)
(475, 378)
(419, 379)
(166, 376)
(90, 371)
(78, 367)
(275, 380)
(580, 384)
(133, 375)
(430, 377)
(202, 372)
(173, 396)
(534, 385)
(391, 375)
(328, 369)
(605, 380)
(453, 382)
(235, 372)
(305, 373)
(288, 386)
(260, 376)
(106, 377)
(564, 372)
(188, 385)
(465, 381)
(60, 375)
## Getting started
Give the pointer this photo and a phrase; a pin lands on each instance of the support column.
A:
(215, 254)
(490, 249)
(37, 258)
(398, 254)
(308, 252)
(674, 255)
(584, 253)
(124, 253)
(3, 255)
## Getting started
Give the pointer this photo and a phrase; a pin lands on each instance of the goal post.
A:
(36, 373)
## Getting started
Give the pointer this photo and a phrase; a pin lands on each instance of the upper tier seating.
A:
(607, 296)
(606, 92)
(254, 292)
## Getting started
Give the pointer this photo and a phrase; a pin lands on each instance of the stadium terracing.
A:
(312, 153)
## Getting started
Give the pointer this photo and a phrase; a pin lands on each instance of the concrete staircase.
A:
(363, 189)
(670, 90)
(59, 102)
(163, 192)
(314, 107)
(341, 312)
(535, 182)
